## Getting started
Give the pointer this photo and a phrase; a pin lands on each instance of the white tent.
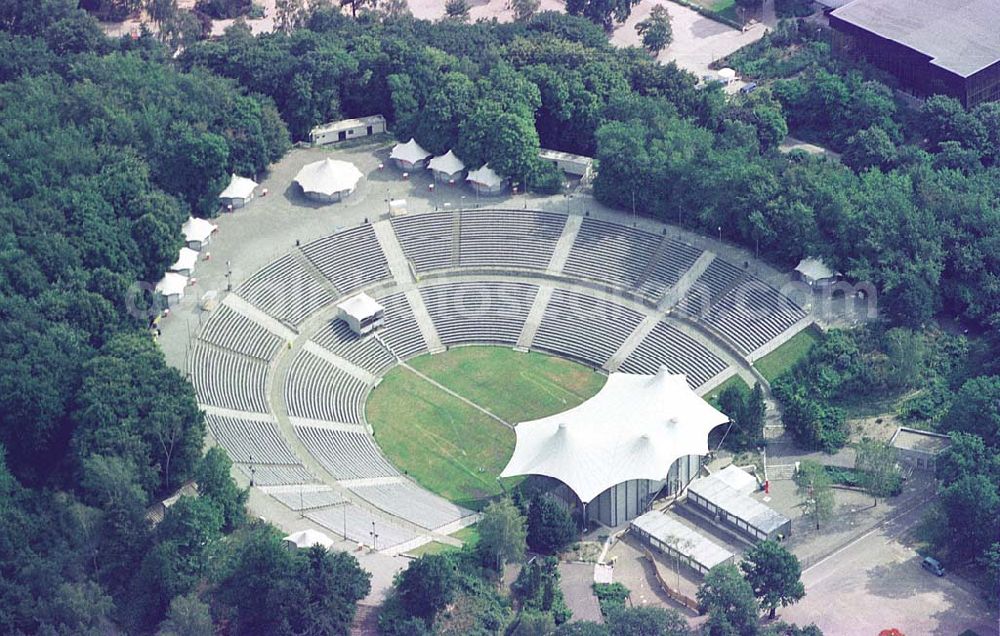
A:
(171, 287)
(198, 232)
(186, 261)
(727, 75)
(409, 155)
(329, 179)
(447, 166)
(634, 428)
(309, 538)
(238, 192)
(485, 180)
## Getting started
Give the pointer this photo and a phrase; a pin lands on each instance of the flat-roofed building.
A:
(677, 541)
(950, 47)
(346, 129)
(919, 448)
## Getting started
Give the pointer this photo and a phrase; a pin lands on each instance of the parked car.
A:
(933, 566)
(746, 89)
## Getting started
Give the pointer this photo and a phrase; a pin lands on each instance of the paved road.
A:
(876, 582)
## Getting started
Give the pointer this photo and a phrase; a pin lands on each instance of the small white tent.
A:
(814, 271)
(171, 287)
(186, 261)
(309, 538)
(409, 155)
(198, 232)
(328, 180)
(447, 167)
(486, 181)
(238, 193)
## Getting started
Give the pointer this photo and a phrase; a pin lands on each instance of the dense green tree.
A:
(223, 9)
(967, 455)
(774, 574)
(187, 616)
(427, 585)
(534, 624)
(550, 525)
(971, 505)
(216, 484)
(537, 589)
(815, 488)
(647, 621)
(944, 118)
(729, 601)
(502, 534)
(523, 9)
(457, 10)
(876, 464)
(869, 148)
(976, 410)
(602, 12)
(656, 31)
(582, 628)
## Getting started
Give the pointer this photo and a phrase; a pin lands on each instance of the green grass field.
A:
(713, 396)
(784, 357)
(450, 447)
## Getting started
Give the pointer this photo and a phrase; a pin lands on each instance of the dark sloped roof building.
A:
(950, 47)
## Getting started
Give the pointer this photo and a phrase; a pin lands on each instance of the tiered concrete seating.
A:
(412, 503)
(584, 328)
(400, 329)
(350, 259)
(666, 345)
(258, 450)
(365, 352)
(427, 239)
(509, 238)
(229, 380)
(710, 286)
(479, 311)
(611, 253)
(358, 522)
(345, 454)
(285, 290)
(230, 329)
(753, 313)
(677, 258)
(315, 497)
(317, 390)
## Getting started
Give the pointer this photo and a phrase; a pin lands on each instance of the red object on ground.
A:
(767, 486)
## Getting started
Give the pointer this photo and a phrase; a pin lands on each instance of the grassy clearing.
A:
(446, 445)
(468, 535)
(453, 449)
(431, 548)
(515, 386)
(784, 357)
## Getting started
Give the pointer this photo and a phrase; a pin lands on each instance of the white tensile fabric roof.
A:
(634, 428)
(410, 151)
(485, 176)
(328, 176)
(238, 188)
(727, 73)
(185, 260)
(172, 284)
(309, 538)
(814, 268)
(447, 163)
(360, 307)
(196, 229)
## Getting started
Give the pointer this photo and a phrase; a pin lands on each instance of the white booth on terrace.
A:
(486, 181)
(815, 272)
(238, 193)
(447, 167)
(361, 313)
(409, 156)
(186, 261)
(171, 288)
(198, 232)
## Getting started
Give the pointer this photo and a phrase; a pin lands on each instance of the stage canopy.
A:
(309, 538)
(328, 177)
(634, 428)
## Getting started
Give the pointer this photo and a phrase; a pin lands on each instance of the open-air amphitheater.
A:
(284, 384)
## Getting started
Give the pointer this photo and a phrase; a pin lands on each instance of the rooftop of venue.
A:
(960, 36)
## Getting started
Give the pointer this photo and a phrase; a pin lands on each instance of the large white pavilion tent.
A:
(409, 155)
(328, 180)
(622, 445)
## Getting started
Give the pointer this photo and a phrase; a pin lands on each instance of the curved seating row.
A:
(232, 330)
(318, 390)
(611, 253)
(427, 239)
(585, 328)
(366, 352)
(345, 454)
(350, 259)
(412, 503)
(753, 313)
(487, 311)
(666, 345)
(509, 238)
(356, 524)
(229, 380)
(400, 329)
(285, 290)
